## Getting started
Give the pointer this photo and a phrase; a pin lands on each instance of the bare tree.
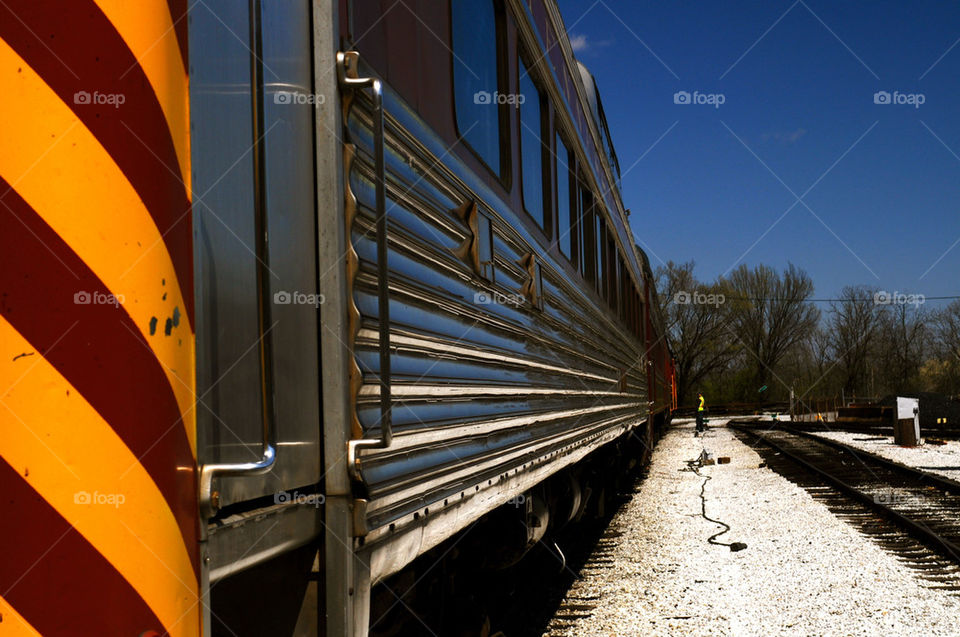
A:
(945, 325)
(820, 351)
(769, 314)
(695, 318)
(734, 337)
(903, 343)
(815, 371)
(854, 323)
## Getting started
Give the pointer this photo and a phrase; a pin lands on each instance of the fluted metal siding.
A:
(478, 389)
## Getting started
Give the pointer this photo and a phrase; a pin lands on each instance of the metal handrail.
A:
(347, 63)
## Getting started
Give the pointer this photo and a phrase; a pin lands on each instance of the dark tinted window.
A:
(531, 146)
(636, 314)
(624, 290)
(587, 258)
(600, 229)
(475, 77)
(612, 272)
(566, 235)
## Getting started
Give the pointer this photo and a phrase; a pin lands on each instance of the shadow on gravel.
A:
(531, 594)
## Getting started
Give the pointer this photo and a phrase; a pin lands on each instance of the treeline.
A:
(752, 335)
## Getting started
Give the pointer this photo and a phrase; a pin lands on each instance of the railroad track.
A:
(911, 513)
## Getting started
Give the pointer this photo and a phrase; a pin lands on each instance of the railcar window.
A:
(600, 233)
(612, 272)
(566, 226)
(588, 259)
(616, 298)
(637, 314)
(625, 297)
(476, 85)
(531, 147)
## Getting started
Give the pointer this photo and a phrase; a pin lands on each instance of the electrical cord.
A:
(695, 466)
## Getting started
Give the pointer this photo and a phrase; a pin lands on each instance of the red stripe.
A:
(74, 48)
(54, 577)
(178, 15)
(104, 356)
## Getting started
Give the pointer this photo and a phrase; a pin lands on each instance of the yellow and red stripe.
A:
(97, 423)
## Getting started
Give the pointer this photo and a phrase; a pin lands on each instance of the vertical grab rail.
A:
(209, 500)
(347, 63)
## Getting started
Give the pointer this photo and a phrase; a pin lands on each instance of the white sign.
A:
(907, 407)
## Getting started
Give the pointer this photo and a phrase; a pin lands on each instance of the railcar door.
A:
(253, 111)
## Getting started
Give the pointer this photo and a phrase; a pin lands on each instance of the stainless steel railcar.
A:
(414, 297)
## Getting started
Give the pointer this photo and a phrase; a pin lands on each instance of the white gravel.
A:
(804, 572)
(941, 459)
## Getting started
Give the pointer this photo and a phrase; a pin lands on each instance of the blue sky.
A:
(879, 183)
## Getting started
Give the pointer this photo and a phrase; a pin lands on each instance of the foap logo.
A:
(701, 99)
(112, 499)
(298, 298)
(512, 99)
(890, 497)
(296, 97)
(97, 298)
(882, 297)
(696, 297)
(518, 500)
(497, 298)
(311, 499)
(900, 99)
(99, 99)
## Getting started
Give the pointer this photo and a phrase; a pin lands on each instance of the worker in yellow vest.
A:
(700, 426)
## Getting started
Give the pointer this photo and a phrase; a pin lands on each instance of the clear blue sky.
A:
(800, 99)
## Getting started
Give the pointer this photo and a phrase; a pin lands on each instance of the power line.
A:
(763, 300)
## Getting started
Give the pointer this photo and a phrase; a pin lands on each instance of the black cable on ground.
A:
(695, 465)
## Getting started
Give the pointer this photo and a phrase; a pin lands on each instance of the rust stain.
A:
(529, 289)
(469, 250)
(351, 62)
(352, 267)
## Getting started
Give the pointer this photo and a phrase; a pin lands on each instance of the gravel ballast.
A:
(943, 459)
(804, 571)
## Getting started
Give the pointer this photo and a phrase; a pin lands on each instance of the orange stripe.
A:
(84, 470)
(148, 31)
(97, 213)
(13, 624)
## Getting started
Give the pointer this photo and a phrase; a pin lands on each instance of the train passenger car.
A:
(298, 296)
(662, 373)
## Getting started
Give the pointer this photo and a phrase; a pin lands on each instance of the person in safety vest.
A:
(700, 426)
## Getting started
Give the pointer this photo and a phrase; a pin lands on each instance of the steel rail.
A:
(941, 481)
(919, 530)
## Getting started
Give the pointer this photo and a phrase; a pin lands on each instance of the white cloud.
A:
(579, 43)
(786, 137)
